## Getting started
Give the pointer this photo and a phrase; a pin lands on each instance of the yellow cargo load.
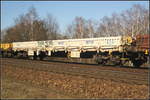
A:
(146, 51)
(6, 46)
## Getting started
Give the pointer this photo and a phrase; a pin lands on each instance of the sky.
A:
(64, 11)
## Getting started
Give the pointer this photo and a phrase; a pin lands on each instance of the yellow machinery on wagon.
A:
(6, 46)
(6, 49)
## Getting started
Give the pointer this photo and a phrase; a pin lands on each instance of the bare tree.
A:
(39, 30)
(26, 23)
(28, 27)
(91, 26)
(69, 31)
(130, 22)
(78, 28)
(52, 26)
(104, 27)
(3, 33)
(12, 35)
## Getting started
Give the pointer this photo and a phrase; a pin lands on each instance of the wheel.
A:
(137, 63)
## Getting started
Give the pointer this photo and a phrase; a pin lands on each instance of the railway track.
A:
(103, 67)
(79, 70)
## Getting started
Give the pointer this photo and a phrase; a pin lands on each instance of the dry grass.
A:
(75, 86)
(14, 89)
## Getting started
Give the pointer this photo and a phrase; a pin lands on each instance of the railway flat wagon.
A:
(117, 50)
(74, 48)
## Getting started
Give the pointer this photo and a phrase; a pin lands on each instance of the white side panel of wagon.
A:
(90, 44)
(74, 44)
(25, 45)
(111, 41)
(60, 45)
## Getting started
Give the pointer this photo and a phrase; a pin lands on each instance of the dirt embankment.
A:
(16, 89)
(76, 86)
